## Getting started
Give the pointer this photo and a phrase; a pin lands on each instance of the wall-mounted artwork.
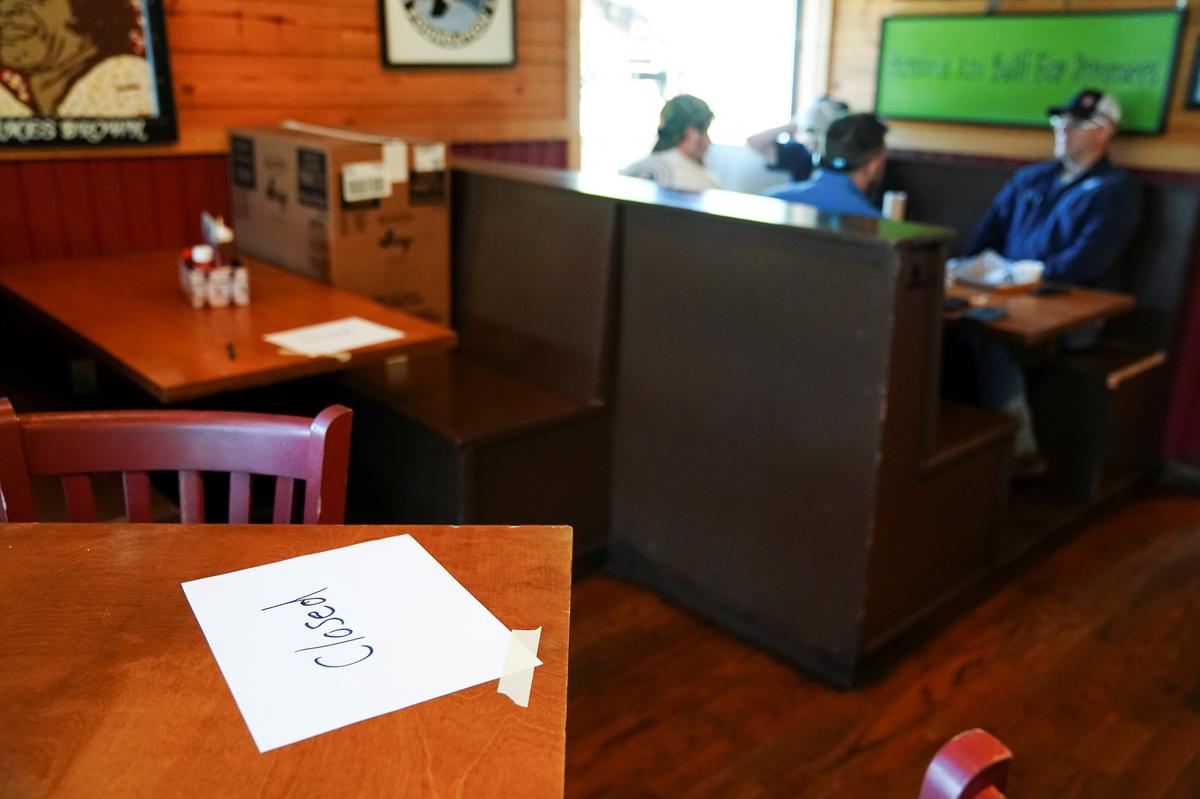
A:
(1008, 69)
(80, 73)
(432, 33)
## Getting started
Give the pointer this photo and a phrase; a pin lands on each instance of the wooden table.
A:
(109, 688)
(1033, 320)
(130, 310)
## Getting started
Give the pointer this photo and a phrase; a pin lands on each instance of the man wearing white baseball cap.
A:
(795, 146)
(1075, 214)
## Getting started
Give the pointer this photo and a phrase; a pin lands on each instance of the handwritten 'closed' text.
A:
(322, 616)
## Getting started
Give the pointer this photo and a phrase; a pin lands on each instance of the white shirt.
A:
(671, 169)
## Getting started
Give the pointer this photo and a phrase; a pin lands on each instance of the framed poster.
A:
(1008, 69)
(81, 73)
(446, 33)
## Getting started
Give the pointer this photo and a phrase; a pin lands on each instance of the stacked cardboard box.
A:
(367, 212)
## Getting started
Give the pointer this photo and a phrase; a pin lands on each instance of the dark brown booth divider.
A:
(782, 462)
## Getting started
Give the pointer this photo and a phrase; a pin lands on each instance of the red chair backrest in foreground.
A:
(971, 765)
(75, 446)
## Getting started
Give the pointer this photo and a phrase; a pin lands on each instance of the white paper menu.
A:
(317, 642)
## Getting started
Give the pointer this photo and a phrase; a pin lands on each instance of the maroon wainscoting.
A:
(1183, 424)
(105, 206)
(535, 153)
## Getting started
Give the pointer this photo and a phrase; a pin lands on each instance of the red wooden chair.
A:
(75, 446)
(971, 765)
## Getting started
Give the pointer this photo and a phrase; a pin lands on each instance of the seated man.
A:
(1075, 214)
(853, 155)
(677, 161)
(785, 150)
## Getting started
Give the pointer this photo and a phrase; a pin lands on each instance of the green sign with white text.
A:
(1008, 69)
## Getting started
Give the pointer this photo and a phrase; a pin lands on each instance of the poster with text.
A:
(1008, 69)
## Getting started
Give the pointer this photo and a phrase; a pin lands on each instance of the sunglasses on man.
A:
(1068, 122)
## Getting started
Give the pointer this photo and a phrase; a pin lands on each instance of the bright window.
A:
(635, 54)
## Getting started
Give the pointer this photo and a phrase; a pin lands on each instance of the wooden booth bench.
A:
(512, 427)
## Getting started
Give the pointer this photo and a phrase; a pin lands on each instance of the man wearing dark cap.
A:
(852, 158)
(677, 161)
(1075, 214)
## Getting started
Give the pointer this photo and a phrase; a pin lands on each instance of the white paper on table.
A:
(415, 634)
(332, 338)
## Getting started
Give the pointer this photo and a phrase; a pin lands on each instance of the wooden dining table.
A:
(1031, 320)
(110, 689)
(130, 310)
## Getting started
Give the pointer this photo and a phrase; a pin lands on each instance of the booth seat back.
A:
(533, 280)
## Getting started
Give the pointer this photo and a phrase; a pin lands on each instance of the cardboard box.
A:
(366, 212)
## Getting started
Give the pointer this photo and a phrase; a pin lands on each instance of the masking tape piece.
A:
(340, 357)
(516, 680)
(395, 161)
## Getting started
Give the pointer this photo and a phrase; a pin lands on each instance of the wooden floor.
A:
(1086, 664)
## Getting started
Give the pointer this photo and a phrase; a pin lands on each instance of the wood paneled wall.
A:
(258, 62)
(852, 77)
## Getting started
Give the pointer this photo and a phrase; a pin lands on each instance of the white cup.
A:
(1027, 271)
(895, 204)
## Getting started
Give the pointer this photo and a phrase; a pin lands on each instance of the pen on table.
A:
(232, 352)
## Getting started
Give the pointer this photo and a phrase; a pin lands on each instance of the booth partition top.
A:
(729, 204)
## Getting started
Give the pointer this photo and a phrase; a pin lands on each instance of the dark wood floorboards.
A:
(1086, 664)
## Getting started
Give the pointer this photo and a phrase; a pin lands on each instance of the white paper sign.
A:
(333, 338)
(317, 642)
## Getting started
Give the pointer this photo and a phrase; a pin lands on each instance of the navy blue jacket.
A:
(795, 158)
(1078, 229)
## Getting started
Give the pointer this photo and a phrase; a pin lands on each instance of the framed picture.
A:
(83, 73)
(448, 33)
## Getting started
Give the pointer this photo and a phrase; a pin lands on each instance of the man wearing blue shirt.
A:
(1075, 214)
(852, 160)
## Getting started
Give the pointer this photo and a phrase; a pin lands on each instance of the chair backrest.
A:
(75, 446)
(971, 765)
